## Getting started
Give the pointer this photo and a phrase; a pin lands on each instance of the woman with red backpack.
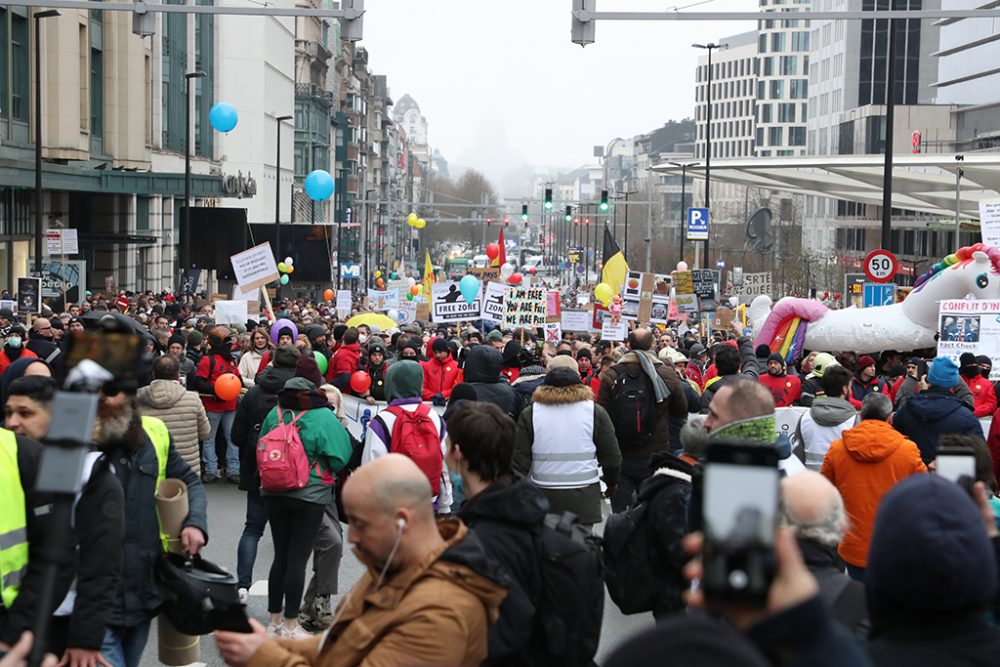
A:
(302, 446)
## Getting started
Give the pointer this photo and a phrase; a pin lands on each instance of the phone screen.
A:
(741, 504)
(740, 510)
(953, 466)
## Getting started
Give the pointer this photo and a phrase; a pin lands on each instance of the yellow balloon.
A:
(282, 267)
(603, 294)
(378, 274)
(289, 268)
(420, 288)
(411, 218)
(421, 223)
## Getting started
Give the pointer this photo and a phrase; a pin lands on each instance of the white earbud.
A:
(400, 522)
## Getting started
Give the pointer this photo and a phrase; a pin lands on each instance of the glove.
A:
(439, 400)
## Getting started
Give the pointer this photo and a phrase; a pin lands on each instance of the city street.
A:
(226, 511)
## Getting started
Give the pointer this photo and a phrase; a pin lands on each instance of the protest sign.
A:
(486, 275)
(553, 332)
(9, 303)
(230, 312)
(255, 267)
(673, 313)
(493, 302)
(407, 312)
(611, 331)
(344, 303)
(552, 305)
(704, 285)
(754, 285)
(967, 325)
(252, 297)
(449, 306)
(598, 316)
(683, 282)
(29, 295)
(524, 307)
(582, 299)
(989, 221)
(575, 320)
(686, 303)
(381, 301)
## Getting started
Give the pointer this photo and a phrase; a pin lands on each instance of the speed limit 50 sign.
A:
(881, 266)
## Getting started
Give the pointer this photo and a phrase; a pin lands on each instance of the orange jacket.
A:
(864, 464)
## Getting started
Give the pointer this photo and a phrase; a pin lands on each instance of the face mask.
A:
(14, 341)
(456, 483)
(362, 339)
(986, 373)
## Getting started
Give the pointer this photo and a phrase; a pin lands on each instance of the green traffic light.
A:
(603, 206)
(548, 206)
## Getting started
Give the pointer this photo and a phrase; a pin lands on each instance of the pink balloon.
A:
(682, 266)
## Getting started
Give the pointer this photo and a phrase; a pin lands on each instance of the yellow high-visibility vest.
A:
(13, 521)
(160, 437)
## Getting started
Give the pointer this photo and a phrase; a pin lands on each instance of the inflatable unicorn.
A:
(795, 325)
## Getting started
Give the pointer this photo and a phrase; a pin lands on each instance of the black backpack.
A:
(571, 606)
(627, 558)
(633, 407)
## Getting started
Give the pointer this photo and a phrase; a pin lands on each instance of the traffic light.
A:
(604, 201)
(569, 213)
(548, 199)
(524, 213)
(506, 221)
(489, 221)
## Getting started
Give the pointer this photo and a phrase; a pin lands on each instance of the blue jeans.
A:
(123, 646)
(209, 459)
(253, 529)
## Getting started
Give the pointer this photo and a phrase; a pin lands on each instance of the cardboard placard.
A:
(449, 306)
(344, 303)
(29, 295)
(686, 303)
(524, 307)
(575, 320)
(552, 305)
(231, 312)
(489, 274)
(553, 332)
(255, 267)
(683, 282)
(611, 331)
(493, 302)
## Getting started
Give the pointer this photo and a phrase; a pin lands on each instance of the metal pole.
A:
(708, 153)
(277, 201)
(649, 236)
(680, 228)
(187, 171)
(625, 251)
(890, 115)
(958, 204)
(38, 16)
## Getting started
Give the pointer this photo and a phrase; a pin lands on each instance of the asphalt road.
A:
(226, 512)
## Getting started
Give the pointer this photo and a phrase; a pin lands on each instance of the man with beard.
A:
(786, 389)
(143, 455)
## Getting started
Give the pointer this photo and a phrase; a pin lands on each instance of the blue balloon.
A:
(469, 286)
(319, 185)
(223, 117)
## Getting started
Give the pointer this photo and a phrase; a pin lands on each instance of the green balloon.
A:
(409, 296)
(284, 279)
(393, 276)
(320, 361)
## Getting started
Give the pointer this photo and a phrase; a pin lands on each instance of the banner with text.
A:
(524, 307)
(970, 326)
(449, 306)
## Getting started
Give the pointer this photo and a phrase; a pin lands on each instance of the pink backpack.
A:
(281, 457)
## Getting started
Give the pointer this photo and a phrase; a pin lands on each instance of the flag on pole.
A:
(615, 266)
(501, 258)
(428, 275)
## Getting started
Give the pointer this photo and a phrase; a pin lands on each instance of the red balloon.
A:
(836, 297)
(328, 295)
(492, 250)
(515, 279)
(228, 387)
(360, 381)
(532, 270)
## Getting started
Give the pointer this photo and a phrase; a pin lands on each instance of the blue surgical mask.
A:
(14, 341)
(456, 483)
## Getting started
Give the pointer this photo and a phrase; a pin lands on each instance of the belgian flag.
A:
(615, 266)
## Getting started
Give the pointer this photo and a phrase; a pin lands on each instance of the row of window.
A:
(729, 148)
(774, 89)
(727, 129)
(781, 42)
(786, 113)
(726, 70)
(787, 65)
(740, 88)
(776, 136)
(723, 110)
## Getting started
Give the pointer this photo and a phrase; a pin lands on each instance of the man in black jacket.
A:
(731, 362)
(482, 371)
(80, 620)
(128, 442)
(505, 512)
(250, 414)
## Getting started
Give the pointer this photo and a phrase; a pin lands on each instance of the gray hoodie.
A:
(826, 420)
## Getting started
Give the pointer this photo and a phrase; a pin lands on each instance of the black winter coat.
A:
(250, 414)
(45, 544)
(482, 371)
(927, 416)
(749, 366)
(964, 640)
(844, 596)
(139, 593)
(100, 531)
(506, 518)
(667, 492)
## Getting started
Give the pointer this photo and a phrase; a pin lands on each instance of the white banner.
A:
(493, 307)
(989, 221)
(449, 306)
(255, 267)
(576, 320)
(967, 325)
(230, 312)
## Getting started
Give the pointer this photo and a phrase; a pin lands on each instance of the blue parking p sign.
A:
(697, 224)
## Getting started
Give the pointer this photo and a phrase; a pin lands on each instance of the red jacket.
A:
(786, 389)
(984, 395)
(211, 371)
(345, 360)
(6, 361)
(511, 373)
(440, 377)
(859, 390)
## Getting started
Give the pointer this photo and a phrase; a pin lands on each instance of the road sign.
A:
(879, 294)
(697, 224)
(881, 266)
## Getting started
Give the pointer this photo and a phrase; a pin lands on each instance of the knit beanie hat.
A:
(287, 356)
(404, 379)
(440, 345)
(774, 356)
(865, 361)
(943, 373)
(306, 368)
(195, 338)
(178, 339)
(584, 353)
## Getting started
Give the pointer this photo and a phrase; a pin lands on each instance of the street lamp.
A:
(187, 171)
(277, 198)
(38, 135)
(959, 172)
(708, 133)
(680, 240)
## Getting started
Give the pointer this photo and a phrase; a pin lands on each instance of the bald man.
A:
(428, 596)
(813, 508)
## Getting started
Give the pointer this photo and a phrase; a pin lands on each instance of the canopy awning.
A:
(923, 183)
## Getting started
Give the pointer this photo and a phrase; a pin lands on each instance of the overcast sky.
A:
(499, 81)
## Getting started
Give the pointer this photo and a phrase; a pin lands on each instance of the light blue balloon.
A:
(469, 286)
(223, 117)
(319, 185)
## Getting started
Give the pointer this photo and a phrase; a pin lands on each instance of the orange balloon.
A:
(328, 295)
(415, 290)
(228, 387)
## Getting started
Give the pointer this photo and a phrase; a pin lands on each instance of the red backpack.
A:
(415, 435)
(281, 457)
